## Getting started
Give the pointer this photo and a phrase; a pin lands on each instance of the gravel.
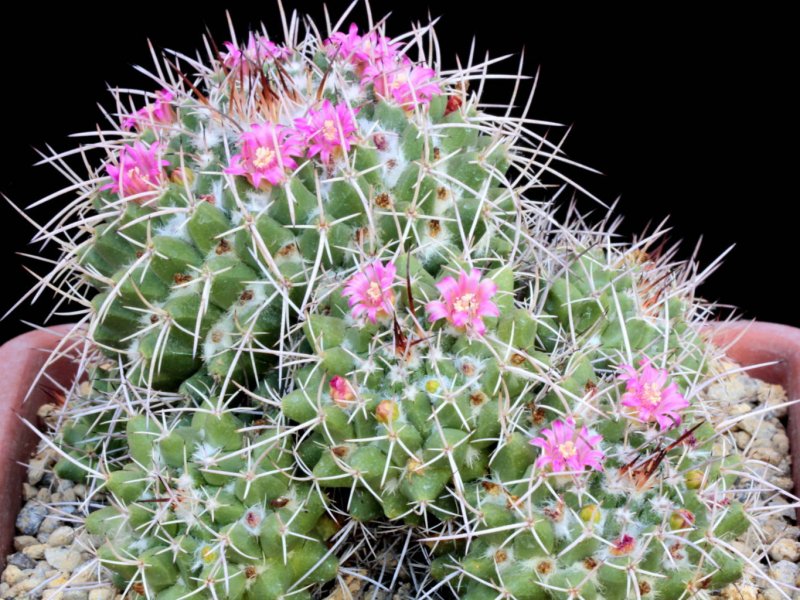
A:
(30, 517)
(762, 437)
(22, 561)
(52, 557)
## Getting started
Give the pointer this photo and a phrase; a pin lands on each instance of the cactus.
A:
(206, 504)
(330, 332)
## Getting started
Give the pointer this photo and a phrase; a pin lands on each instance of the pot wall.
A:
(20, 361)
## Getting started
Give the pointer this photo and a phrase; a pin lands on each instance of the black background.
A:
(685, 114)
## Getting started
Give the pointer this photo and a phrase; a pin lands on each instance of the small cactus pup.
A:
(335, 329)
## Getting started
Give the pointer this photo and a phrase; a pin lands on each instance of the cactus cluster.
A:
(335, 327)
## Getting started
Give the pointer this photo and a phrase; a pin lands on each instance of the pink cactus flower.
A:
(341, 391)
(370, 291)
(362, 50)
(139, 172)
(326, 130)
(409, 86)
(564, 449)
(465, 302)
(267, 151)
(649, 395)
(257, 51)
(159, 112)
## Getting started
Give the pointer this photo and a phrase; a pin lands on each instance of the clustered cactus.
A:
(335, 327)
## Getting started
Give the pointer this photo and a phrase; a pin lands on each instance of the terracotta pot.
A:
(22, 358)
(20, 361)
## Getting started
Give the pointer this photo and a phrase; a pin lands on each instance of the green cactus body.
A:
(329, 334)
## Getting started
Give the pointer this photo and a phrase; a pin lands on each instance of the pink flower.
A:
(327, 129)
(564, 449)
(258, 51)
(139, 172)
(647, 395)
(370, 290)
(267, 151)
(159, 112)
(341, 391)
(409, 86)
(465, 302)
(361, 51)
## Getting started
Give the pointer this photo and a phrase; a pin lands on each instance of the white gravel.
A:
(52, 558)
(774, 544)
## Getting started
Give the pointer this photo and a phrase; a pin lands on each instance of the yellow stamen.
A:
(374, 291)
(466, 303)
(264, 156)
(329, 130)
(567, 449)
(400, 80)
(651, 394)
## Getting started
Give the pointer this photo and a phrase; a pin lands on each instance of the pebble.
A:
(768, 455)
(772, 395)
(12, 574)
(49, 525)
(63, 536)
(36, 470)
(23, 541)
(781, 443)
(26, 585)
(31, 517)
(784, 572)
(28, 491)
(788, 512)
(740, 592)
(742, 439)
(739, 409)
(785, 483)
(772, 529)
(63, 559)
(785, 549)
(35, 551)
(47, 411)
(62, 485)
(23, 561)
(764, 438)
(759, 427)
(64, 595)
(103, 593)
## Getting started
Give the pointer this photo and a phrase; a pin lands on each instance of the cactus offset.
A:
(330, 333)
